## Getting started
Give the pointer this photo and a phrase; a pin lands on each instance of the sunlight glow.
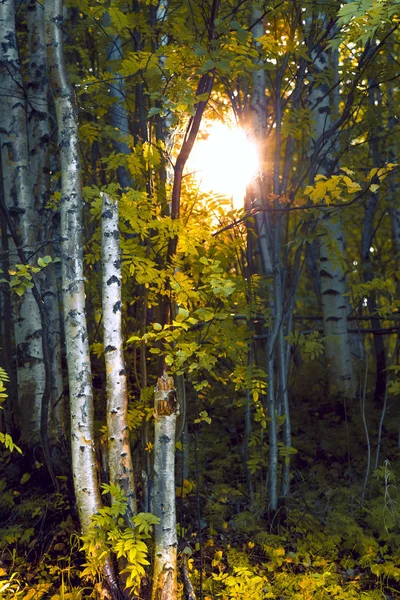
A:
(224, 162)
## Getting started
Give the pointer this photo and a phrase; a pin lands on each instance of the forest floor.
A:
(325, 543)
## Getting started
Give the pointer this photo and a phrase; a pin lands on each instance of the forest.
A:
(199, 300)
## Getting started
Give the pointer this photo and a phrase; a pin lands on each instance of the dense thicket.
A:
(203, 398)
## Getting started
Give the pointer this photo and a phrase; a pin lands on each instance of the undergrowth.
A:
(323, 545)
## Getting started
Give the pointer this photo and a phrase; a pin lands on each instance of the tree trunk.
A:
(332, 249)
(165, 573)
(39, 137)
(76, 336)
(119, 450)
(258, 105)
(20, 206)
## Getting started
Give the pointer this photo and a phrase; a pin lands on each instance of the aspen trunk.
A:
(84, 470)
(269, 254)
(165, 573)
(165, 556)
(76, 338)
(39, 138)
(20, 206)
(119, 450)
(332, 275)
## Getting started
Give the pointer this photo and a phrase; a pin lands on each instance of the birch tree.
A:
(119, 451)
(332, 244)
(20, 206)
(39, 139)
(76, 337)
(164, 506)
(166, 407)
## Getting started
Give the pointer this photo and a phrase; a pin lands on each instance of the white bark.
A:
(332, 249)
(76, 337)
(165, 575)
(39, 166)
(20, 205)
(119, 450)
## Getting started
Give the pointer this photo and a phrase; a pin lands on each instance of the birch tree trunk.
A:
(20, 206)
(78, 358)
(332, 248)
(119, 450)
(266, 247)
(165, 572)
(84, 470)
(39, 138)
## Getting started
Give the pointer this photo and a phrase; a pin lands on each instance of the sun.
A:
(224, 162)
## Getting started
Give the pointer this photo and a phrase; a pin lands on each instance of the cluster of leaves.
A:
(109, 533)
(5, 438)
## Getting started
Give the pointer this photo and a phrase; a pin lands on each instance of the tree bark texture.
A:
(76, 337)
(119, 450)
(20, 206)
(39, 139)
(332, 247)
(165, 572)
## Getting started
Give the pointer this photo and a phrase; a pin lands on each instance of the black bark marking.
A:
(164, 439)
(117, 307)
(109, 348)
(113, 279)
(324, 273)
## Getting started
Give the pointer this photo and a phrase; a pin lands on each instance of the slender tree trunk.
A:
(258, 107)
(165, 566)
(165, 572)
(39, 137)
(20, 206)
(332, 274)
(119, 450)
(76, 336)
(265, 237)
